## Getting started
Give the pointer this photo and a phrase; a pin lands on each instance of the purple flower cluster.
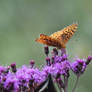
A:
(79, 66)
(32, 79)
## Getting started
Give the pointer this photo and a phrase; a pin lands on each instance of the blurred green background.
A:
(21, 22)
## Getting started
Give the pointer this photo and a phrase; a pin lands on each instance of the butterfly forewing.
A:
(65, 34)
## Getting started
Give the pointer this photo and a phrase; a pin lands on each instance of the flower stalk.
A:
(76, 83)
(66, 84)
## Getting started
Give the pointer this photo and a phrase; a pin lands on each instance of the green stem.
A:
(66, 84)
(75, 86)
(60, 89)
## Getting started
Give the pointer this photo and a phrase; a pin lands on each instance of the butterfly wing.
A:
(58, 39)
(47, 40)
(65, 34)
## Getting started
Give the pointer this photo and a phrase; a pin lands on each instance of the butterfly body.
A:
(58, 39)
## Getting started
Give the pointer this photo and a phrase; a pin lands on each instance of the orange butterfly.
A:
(58, 39)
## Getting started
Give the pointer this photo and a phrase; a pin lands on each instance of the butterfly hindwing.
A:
(47, 40)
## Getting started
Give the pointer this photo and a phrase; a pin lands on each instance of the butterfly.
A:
(58, 39)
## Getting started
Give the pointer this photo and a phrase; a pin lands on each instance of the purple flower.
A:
(27, 73)
(48, 61)
(46, 50)
(54, 52)
(79, 66)
(60, 58)
(32, 62)
(57, 68)
(88, 60)
(11, 82)
(2, 69)
(13, 67)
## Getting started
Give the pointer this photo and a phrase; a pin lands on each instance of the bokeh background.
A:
(21, 22)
